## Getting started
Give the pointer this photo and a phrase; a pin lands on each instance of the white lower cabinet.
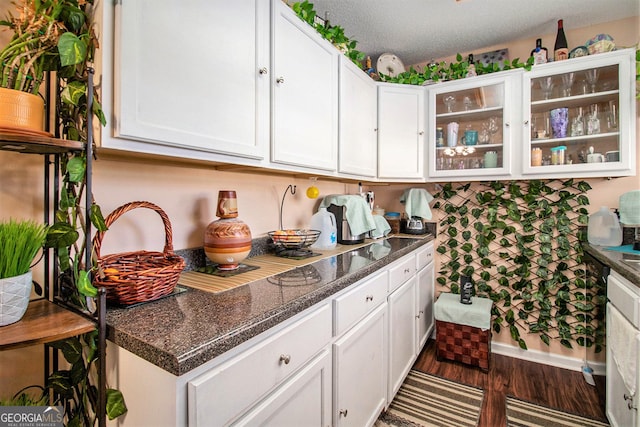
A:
(402, 346)
(304, 400)
(360, 366)
(623, 350)
(425, 281)
(224, 393)
(338, 363)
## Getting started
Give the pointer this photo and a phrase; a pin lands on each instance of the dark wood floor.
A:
(542, 384)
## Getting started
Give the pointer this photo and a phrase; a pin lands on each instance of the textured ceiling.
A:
(421, 30)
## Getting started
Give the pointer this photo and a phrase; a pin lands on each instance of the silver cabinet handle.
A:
(369, 298)
(419, 314)
(421, 132)
(343, 412)
(285, 358)
(406, 270)
(263, 70)
(507, 124)
(280, 80)
(526, 122)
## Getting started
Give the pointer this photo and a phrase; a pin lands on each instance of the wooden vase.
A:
(21, 111)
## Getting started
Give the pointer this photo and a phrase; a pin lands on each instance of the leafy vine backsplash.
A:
(519, 243)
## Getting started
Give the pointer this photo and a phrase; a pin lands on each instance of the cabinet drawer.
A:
(225, 392)
(402, 271)
(424, 256)
(359, 301)
(625, 297)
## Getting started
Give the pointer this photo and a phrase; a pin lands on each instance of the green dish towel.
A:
(358, 212)
(448, 308)
(382, 227)
(416, 202)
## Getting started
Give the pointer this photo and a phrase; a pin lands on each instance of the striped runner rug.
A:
(427, 400)
(526, 414)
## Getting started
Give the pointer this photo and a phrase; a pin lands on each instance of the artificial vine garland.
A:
(520, 244)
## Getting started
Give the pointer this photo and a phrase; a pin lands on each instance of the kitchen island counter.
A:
(181, 332)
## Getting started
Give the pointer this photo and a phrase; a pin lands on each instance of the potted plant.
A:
(20, 242)
(48, 36)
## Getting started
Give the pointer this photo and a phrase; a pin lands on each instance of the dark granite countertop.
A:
(617, 261)
(182, 332)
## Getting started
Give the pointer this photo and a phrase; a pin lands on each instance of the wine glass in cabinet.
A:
(470, 127)
(579, 117)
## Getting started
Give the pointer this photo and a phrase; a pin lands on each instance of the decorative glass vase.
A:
(227, 241)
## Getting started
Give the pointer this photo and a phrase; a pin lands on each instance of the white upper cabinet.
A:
(579, 117)
(401, 132)
(470, 131)
(193, 74)
(304, 94)
(358, 121)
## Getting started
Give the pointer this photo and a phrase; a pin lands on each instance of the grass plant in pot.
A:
(20, 242)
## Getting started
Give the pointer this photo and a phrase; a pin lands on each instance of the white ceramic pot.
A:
(14, 298)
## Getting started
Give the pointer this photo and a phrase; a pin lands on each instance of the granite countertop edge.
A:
(199, 353)
(614, 260)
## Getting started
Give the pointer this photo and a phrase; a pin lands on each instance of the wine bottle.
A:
(560, 50)
(540, 54)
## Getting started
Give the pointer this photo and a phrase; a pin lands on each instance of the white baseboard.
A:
(559, 361)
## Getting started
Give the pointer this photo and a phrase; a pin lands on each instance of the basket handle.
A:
(117, 213)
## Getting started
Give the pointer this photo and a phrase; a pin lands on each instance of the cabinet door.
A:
(580, 117)
(188, 74)
(401, 122)
(424, 309)
(358, 121)
(470, 127)
(305, 94)
(304, 400)
(402, 334)
(360, 371)
(619, 398)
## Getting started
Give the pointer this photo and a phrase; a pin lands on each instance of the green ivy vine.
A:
(333, 33)
(520, 244)
(458, 69)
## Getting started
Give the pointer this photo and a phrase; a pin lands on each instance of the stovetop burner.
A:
(299, 253)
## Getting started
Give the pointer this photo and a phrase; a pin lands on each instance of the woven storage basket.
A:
(141, 275)
(463, 343)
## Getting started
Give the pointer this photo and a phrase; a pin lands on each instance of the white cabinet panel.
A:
(360, 371)
(222, 394)
(359, 301)
(401, 131)
(402, 334)
(424, 313)
(305, 94)
(168, 91)
(358, 121)
(301, 401)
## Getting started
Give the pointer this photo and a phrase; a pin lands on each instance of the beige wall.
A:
(188, 193)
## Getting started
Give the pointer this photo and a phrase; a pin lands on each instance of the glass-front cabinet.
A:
(470, 132)
(579, 117)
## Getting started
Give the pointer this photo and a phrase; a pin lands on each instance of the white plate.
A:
(390, 65)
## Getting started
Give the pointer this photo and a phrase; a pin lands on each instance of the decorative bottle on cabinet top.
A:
(560, 50)
(227, 241)
(540, 54)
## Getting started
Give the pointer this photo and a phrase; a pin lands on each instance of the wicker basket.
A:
(140, 276)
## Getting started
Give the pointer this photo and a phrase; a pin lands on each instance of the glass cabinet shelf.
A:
(469, 127)
(577, 111)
